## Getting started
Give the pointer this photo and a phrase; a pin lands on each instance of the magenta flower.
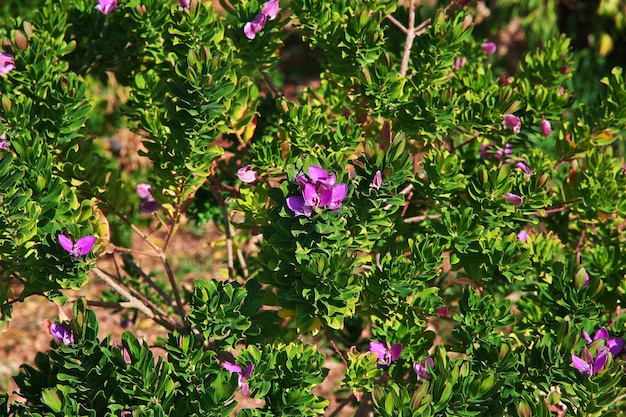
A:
(423, 369)
(318, 191)
(106, 6)
(255, 26)
(123, 351)
(386, 355)
(512, 122)
(489, 48)
(459, 62)
(336, 195)
(546, 128)
(246, 174)
(184, 3)
(521, 164)
(242, 376)
(148, 203)
(271, 9)
(377, 181)
(144, 190)
(615, 345)
(442, 311)
(81, 248)
(487, 151)
(61, 334)
(523, 235)
(3, 141)
(588, 364)
(514, 199)
(6, 63)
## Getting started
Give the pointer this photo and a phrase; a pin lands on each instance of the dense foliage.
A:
(427, 195)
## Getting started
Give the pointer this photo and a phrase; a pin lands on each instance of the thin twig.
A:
(242, 262)
(397, 23)
(133, 291)
(270, 84)
(147, 279)
(133, 251)
(332, 343)
(134, 302)
(410, 36)
(418, 219)
(229, 239)
(173, 284)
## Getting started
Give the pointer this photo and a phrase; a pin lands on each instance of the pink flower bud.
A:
(546, 128)
(512, 122)
(514, 199)
(459, 62)
(489, 48)
(377, 180)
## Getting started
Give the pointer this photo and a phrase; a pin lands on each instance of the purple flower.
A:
(123, 351)
(386, 355)
(318, 190)
(148, 203)
(489, 48)
(512, 122)
(184, 3)
(81, 248)
(459, 62)
(271, 9)
(106, 6)
(564, 69)
(6, 63)
(546, 128)
(521, 164)
(242, 376)
(144, 190)
(320, 178)
(255, 26)
(514, 199)
(61, 334)
(246, 174)
(296, 204)
(442, 311)
(615, 345)
(377, 181)
(588, 364)
(423, 369)
(337, 194)
(3, 142)
(523, 235)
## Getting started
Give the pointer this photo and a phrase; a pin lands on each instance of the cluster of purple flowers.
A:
(270, 11)
(318, 190)
(387, 354)
(590, 364)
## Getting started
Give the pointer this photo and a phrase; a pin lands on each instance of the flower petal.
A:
(582, 366)
(83, 245)
(231, 367)
(396, 350)
(66, 243)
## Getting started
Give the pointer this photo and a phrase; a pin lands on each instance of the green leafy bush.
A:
(439, 210)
